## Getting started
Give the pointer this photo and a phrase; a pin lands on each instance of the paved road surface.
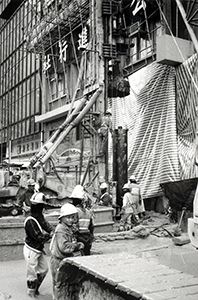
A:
(13, 282)
(183, 258)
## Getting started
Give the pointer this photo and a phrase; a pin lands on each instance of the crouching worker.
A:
(84, 223)
(38, 231)
(64, 242)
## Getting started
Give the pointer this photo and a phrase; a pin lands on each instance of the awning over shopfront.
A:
(14, 162)
(56, 113)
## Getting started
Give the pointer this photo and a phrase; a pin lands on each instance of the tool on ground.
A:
(178, 231)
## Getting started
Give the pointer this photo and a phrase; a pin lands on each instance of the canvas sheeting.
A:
(149, 115)
(187, 101)
(160, 115)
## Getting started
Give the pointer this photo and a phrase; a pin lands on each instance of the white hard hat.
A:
(108, 111)
(31, 182)
(132, 177)
(78, 192)
(67, 209)
(37, 198)
(126, 186)
(103, 186)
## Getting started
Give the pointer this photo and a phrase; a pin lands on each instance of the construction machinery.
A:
(9, 193)
(56, 183)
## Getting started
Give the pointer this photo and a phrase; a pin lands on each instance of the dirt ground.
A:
(158, 243)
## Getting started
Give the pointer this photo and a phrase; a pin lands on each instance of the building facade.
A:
(56, 53)
(19, 88)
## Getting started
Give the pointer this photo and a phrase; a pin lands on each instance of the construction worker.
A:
(38, 231)
(24, 200)
(105, 198)
(105, 128)
(64, 242)
(128, 209)
(15, 180)
(84, 223)
(137, 197)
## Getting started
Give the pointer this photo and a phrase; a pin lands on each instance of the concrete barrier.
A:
(12, 233)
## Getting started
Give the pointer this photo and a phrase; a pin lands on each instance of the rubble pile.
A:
(156, 224)
(139, 231)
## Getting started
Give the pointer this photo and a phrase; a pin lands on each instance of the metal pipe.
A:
(49, 143)
(68, 120)
(70, 127)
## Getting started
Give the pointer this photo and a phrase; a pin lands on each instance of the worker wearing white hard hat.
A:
(38, 231)
(78, 192)
(127, 186)
(127, 208)
(103, 186)
(37, 198)
(31, 182)
(64, 242)
(67, 209)
(105, 198)
(84, 222)
(137, 196)
(132, 178)
(108, 112)
(24, 199)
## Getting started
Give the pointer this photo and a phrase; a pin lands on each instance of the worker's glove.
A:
(80, 246)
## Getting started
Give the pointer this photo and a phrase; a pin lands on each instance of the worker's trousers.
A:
(125, 222)
(54, 265)
(37, 268)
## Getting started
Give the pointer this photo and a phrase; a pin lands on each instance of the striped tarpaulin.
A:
(187, 101)
(149, 115)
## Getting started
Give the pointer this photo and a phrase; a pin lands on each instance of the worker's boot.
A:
(39, 281)
(32, 284)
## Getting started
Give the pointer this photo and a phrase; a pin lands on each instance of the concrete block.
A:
(173, 51)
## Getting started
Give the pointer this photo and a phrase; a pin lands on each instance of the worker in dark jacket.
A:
(84, 223)
(24, 200)
(105, 198)
(38, 231)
